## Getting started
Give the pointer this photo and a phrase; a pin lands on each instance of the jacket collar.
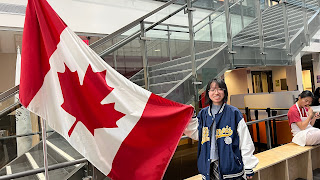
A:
(221, 109)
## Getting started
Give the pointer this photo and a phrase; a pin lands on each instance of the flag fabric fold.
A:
(122, 129)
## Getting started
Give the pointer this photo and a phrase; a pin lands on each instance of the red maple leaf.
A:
(84, 101)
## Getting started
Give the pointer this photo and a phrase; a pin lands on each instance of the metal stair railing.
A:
(129, 26)
(132, 25)
(164, 88)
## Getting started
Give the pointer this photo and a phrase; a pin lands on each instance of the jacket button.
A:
(208, 159)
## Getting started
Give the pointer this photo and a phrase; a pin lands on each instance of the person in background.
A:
(316, 98)
(316, 102)
(301, 120)
(225, 147)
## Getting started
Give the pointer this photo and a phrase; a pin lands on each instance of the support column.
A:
(169, 49)
(144, 55)
(114, 57)
(305, 23)
(192, 54)
(286, 27)
(299, 72)
(229, 33)
(241, 11)
(211, 35)
(260, 28)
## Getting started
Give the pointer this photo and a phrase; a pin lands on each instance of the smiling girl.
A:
(225, 148)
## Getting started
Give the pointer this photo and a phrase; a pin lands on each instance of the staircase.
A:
(59, 151)
(173, 80)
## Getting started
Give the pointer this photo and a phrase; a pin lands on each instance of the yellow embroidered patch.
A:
(205, 135)
(224, 132)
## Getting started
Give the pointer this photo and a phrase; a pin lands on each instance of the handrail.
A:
(266, 119)
(10, 109)
(40, 170)
(129, 26)
(215, 12)
(23, 135)
(210, 21)
(208, 16)
(137, 34)
(9, 93)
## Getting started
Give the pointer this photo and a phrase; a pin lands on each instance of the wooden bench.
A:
(287, 162)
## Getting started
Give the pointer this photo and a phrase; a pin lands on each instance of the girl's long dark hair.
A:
(221, 85)
(304, 94)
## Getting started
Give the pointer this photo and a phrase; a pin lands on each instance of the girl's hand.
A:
(249, 177)
(310, 111)
(317, 115)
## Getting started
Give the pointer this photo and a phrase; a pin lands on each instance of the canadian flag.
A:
(122, 129)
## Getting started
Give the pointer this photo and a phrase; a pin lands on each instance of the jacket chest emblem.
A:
(224, 132)
(205, 135)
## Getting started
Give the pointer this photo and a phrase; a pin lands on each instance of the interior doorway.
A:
(262, 81)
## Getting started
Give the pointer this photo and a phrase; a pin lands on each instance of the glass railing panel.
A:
(175, 44)
(134, 30)
(247, 56)
(179, 44)
(203, 41)
(277, 57)
(158, 46)
(296, 43)
(184, 92)
(127, 60)
(208, 34)
(237, 20)
(313, 25)
(249, 10)
(243, 33)
(211, 68)
(105, 45)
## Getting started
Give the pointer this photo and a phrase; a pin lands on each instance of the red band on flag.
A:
(155, 137)
(42, 37)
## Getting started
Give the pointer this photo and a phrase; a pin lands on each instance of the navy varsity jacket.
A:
(235, 147)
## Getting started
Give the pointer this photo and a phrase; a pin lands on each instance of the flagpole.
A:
(44, 141)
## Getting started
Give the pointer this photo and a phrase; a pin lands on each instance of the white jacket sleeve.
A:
(192, 129)
(247, 148)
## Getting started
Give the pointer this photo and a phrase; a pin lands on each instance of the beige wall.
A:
(291, 78)
(277, 74)
(236, 81)
(7, 71)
